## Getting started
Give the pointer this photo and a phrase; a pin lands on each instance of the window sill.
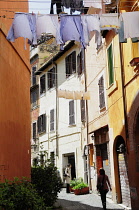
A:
(41, 133)
(73, 125)
(112, 88)
(103, 109)
(35, 107)
(42, 94)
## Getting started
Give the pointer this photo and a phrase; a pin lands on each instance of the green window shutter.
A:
(110, 65)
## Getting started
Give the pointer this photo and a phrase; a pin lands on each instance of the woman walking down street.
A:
(102, 186)
(68, 177)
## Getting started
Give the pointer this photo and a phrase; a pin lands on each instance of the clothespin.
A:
(33, 13)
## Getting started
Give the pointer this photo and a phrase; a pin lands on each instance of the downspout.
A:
(124, 94)
(88, 157)
(57, 148)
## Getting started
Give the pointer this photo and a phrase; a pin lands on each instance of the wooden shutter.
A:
(110, 65)
(34, 130)
(52, 120)
(73, 61)
(39, 124)
(82, 110)
(101, 93)
(43, 123)
(53, 77)
(71, 113)
(67, 67)
(33, 75)
(42, 84)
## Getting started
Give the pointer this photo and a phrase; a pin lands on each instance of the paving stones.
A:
(91, 201)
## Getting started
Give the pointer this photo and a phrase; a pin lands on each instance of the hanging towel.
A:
(109, 21)
(131, 23)
(24, 25)
(48, 24)
(90, 23)
(71, 29)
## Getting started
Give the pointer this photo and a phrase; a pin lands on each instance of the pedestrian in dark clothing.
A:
(102, 186)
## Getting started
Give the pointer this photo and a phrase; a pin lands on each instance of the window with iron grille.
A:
(52, 120)
(34, 131)
(110, 65)
(71, 113)
(101, 93)
(33, 75)
(70, 64)
(42, 84)
(34, 97)
(82, 110)
(42, 123)
(51, 75)
(80, 62)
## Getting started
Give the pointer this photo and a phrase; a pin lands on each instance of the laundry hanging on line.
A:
(75, 95)
(72, 27)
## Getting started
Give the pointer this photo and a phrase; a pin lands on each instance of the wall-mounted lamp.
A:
(93, 136)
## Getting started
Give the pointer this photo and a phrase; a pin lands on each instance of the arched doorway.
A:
(123, 190)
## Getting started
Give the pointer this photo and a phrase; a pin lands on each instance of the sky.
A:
(42, 6)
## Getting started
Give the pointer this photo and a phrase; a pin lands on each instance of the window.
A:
(34, 97)
(42, 84)
(71, 64)
(82, 110)
(51, 78)
(52, 120)
(52, 157)
(33, 75)
(34, 130)
(71, 113)
(101, 93)
(80, 62)
(42, 123)
(110, 65)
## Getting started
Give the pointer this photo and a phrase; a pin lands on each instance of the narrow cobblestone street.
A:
(87, 202)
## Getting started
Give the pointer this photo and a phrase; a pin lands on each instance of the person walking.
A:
(68, 177)
(102, 186)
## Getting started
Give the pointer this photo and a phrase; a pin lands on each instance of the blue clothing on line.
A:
(71, 29)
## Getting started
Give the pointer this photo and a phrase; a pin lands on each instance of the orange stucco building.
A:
(14, 97)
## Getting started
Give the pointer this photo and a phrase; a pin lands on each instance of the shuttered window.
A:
(80, 62)
(33, 75)
(70, 64)
(52, 120)
(42, 123)
(51, 78)
(71, 113)
(42, 84)
(101, 93)
(34, 130)
(34, 97)
(110, 65)
(82, 110)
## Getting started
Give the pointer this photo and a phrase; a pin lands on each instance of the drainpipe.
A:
(88, 157)
(124, 94)
(57, 149)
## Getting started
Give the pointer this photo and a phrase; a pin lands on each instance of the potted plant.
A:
(74, 183)
(81, 189)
